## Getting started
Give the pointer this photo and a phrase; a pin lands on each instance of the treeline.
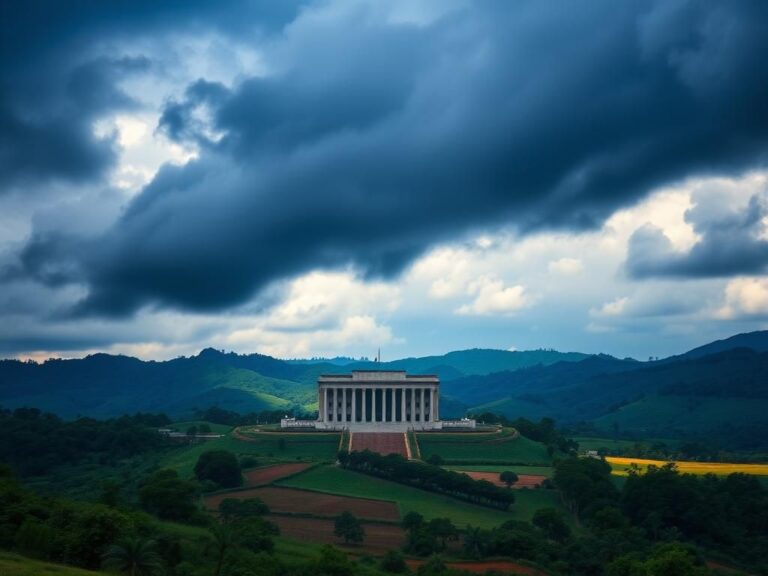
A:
(33, 442)
(231, 418)
(543, 431)
(428, 477)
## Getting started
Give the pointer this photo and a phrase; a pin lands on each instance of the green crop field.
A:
(484, 448)
(534, 470)
(15, 565)
(268, 447)
(334, 480)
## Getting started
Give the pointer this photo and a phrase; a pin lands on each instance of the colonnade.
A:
(365, 404)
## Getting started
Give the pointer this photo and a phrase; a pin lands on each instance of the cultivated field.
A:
(481, 567)
(384, 443)
(268, 474)
(379, 538)
(291, 501)
(524, 480)
(504, 447)
(269, 446)
(547, 471)
(621, 466)
(333, 480)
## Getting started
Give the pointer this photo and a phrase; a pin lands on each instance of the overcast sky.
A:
(323, 178)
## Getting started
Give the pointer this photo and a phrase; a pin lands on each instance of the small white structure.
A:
(293, 423)
(463, 423)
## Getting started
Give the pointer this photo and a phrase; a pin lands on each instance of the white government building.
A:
(378, 401)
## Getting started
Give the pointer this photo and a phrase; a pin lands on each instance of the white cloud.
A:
(614, 308)
(745, 297)
(493, 298)
(320, 299)
(566, 266)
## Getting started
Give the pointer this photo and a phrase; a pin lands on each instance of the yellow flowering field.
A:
(621, 465)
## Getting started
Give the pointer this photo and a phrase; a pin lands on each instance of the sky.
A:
(322, 178)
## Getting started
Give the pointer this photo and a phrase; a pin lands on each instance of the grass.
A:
(265, 447)
(15, 565)
(621, 466)
(616, 446)
(334, 480)
(535, 470)
(484, 448)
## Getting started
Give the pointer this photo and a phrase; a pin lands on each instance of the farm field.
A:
(466, 448)
(379, 538)
(621, 466)
(333, 480)
(15, 565)
(383, 443)
(293, 501)
(268, 474)
(524, 480)
(267, 446)
(499, 468)
(482, 567)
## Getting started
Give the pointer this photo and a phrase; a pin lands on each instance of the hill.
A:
(719, 385)
(102, 385)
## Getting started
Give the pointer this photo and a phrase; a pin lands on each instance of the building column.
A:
(421, 405)
(364, 395)
(402, 404)
(354, 405)
(320, 403)
(413, 406)
(435, 401)
(431, 404)
(344, 405)
(373, 404)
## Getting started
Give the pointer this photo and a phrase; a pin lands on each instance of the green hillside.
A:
(15, 565)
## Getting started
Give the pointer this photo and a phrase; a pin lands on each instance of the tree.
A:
(347, 526)
(134, 556)
(443, 529)
(412, 520)
(192, 431)
(219, 466)
(204, 429)
(508, 477)
(551, 523)
(435, 460)
(168, 496)
(394, 562)
(232, 509)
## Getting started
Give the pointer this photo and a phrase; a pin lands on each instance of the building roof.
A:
(379, 377)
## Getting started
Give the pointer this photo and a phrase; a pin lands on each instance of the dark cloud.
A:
(731, 243)
(55, 82)
(369, 141)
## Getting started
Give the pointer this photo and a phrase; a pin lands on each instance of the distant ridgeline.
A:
(721, 387)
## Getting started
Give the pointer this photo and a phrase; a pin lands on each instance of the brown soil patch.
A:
(267, 475)
(379, 538)
(383, 443)
(292, 501)
(504, 566)
(524, 480)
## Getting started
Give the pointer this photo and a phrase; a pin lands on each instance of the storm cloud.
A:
(370, 138)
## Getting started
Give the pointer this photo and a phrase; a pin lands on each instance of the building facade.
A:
(377, 400)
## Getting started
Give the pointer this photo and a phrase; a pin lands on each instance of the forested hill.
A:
(103, 385)
(719, 386)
